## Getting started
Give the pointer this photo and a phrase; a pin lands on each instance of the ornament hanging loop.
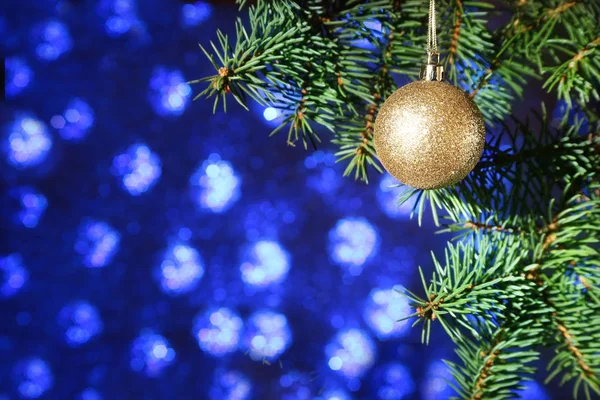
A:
(432, 70)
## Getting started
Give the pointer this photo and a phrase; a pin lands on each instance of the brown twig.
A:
(486, 370)
(456, 34)
(481, 226)
(535, 275)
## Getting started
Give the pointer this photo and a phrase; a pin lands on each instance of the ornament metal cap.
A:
(432, 70)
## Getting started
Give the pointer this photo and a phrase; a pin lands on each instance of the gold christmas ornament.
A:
(429, 134)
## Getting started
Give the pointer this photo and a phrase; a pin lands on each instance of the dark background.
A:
(86, 312)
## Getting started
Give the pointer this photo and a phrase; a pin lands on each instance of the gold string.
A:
(431, 29)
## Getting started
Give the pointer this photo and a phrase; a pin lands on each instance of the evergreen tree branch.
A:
(525, 274)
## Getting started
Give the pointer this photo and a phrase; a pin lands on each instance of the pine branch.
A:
(529, 287)
(547, 160)
(525, 274)
(471, 283)
(577, 323)
(495, 366)
(484, 294)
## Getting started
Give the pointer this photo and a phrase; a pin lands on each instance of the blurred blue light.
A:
(81, 322)
(334, 394)
(218, 331)
(435, 386)
(90, 394)
(393, 382)
(151, 353)
(181, 269)
(384, 308)
(169, 92)
(295, 386)
(13, 275)
(388, 194)
(76, 121)
(351, 353)
(215, 186)
(322, 178)
(374, 30)
(18, 76)
(121, 17)
(33, 377)
(97, 242)
(139, 168)
(53, 40)
(271, 113)
(352, 242)
(572, 115)
(533, 390)
(469, 80)
(28, 141)
(266, 264)
(230, 385)
(271, 218)
(32, 205)
(195, 14)
(267, 335)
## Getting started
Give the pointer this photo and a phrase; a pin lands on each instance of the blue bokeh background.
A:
(153, 250)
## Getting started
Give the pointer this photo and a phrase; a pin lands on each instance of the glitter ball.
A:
(429, 134)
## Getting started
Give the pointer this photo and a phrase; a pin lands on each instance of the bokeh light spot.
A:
(322, 177)
(181, 269)
(90, 394)
(393, 382)
(533, 390)
(351, 353)
(271, 113)
(80, 322)
(138, 167)
(388, 194)
(215, 185)
(53, 40)
(196, 13)
(18, 76)
(33, 378)
(28, 141)
(218, 331)
(352, 242)
(121, 17)
(266, 263)
(230, 385)
(31, 203)
(76, 120)
(435, 386)
(169, 92)
(335, 394)
(295, 385)
(267, 335)
(151, 353)
(13, 275)
(97, 242)
(383, 310)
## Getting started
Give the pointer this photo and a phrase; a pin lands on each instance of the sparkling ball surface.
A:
(429, 134)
